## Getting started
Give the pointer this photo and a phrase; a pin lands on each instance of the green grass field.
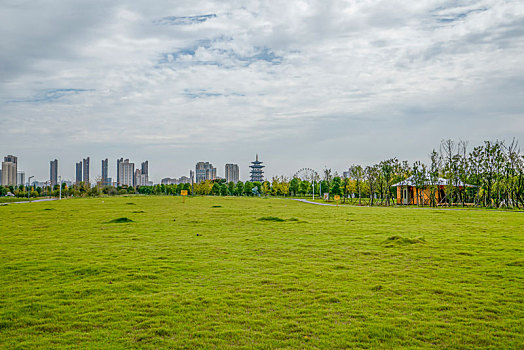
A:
(257, 273)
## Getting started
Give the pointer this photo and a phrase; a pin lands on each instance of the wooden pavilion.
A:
(409, 193)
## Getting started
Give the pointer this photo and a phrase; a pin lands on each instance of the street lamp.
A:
(60, 181)
(29, 186)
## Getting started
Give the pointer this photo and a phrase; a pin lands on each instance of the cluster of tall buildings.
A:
(127, 175)
(82, 171)
(206, 171)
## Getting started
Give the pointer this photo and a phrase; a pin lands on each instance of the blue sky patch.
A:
(184, 20)
(50, 95)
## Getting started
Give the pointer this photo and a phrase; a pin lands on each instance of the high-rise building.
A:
(53, 172)
(106, 180)
(118, 170)
(20, 178)
(125, 171)
(9, 170)
(205, 171)
(257, 174)
(232, 173)
(141, 179)
(85, 170)
(142, 175)
(78, 177)
(145, 168)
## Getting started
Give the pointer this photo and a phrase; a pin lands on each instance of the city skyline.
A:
(55, 171)
(307, 84)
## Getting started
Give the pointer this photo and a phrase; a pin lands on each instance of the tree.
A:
(336, 186)
(371, 175)
(328, 175)
(266, 188)
(248, 187)
(345, 187)
(294, 186)
(419, 178)
(215, 189)
(223, 189)
(324, 187)
(231, 188)
(388, 169)
(433, 174)
(239, 188)
(357, 173)
(304, 187)
(491, 164)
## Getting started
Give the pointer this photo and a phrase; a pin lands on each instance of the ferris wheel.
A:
(307, 174)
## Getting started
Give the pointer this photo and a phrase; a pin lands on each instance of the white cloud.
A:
(304, 83)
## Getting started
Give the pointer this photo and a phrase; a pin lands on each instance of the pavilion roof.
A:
(410, 181)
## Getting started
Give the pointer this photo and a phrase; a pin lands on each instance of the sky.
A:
(317, 84)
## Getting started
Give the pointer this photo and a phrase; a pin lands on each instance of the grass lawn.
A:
(257, 273)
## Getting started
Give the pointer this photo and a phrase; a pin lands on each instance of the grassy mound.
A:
(120, 220)
(271, 218)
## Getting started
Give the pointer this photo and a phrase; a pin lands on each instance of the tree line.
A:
(492, 171)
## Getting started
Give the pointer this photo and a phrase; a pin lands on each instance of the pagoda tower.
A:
(257, 174)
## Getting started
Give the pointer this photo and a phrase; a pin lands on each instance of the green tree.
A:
(336, 186)
(294, 186)
(239, 188)
(305, 187)
(223, 189)
(215, 190)
(266, 187)
(248, 187)
(231, 188)
(324, 187)
(357, 173)
(371, 175)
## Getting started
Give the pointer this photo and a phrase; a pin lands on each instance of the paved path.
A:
(36, 200)
(310, 202)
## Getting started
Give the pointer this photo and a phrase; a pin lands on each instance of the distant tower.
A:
(9, 171)
(85, 170)
(232, 173)
(205, 171)
(145, 168)
(53, 172)
(78, 177)
(126, 172)
(106, 180)
(257, 174)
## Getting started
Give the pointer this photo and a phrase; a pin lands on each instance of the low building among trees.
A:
(426, 192)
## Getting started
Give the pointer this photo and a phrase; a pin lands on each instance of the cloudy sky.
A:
(303, 83)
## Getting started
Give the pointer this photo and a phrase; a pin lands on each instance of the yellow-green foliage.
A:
(218, 272)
